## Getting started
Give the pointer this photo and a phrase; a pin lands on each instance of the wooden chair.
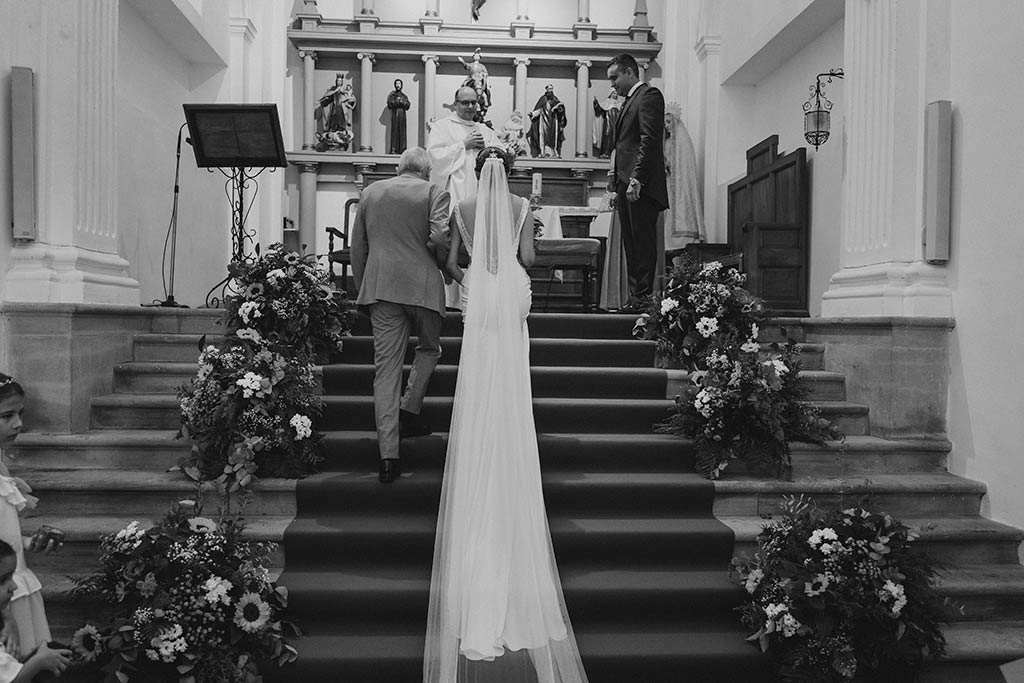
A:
(342, 256)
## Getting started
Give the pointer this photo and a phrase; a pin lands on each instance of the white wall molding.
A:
(68, 274)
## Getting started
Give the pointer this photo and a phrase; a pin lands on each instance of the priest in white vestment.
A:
(453, 143)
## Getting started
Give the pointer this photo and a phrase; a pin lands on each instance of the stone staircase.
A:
(97, 481)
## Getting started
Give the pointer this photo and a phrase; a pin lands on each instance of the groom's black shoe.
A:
(390, 469)
(411, 424)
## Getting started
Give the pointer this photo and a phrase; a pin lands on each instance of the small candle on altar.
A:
(536, 185)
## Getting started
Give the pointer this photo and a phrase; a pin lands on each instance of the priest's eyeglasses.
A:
(466, 103)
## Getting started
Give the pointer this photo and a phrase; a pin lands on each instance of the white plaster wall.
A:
(7, 60)
(154, 81)
(986, 401)
(773, 106)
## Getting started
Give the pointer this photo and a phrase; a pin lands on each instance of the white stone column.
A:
(242, 33)
(308, 173)
(432, 8)
(367, 7)
(520, 93)
(429, 87)
(885, 95)
(582, 108)
(523, 10)
(75, 257)
(308, 98)
(583, 11)
(708, 51)
(365, 101)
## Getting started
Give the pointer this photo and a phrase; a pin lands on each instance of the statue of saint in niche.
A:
(477, 79)
(547, 125)
(398, 103)
(606, 115)
(334, 116)
(513, 134)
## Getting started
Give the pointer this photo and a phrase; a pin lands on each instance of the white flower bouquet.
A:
(194, 604)
(840, 596)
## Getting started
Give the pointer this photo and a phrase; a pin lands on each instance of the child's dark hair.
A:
(6, 550)
(500, 152)
(9, 387)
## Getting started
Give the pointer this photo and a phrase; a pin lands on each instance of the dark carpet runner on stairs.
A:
(643, 561)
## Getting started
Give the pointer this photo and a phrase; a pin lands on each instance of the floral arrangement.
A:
(194, 602)
(251, 407)
(840, 596)
(746, 404)
(744, 401)
(287, 300)
(699, 302)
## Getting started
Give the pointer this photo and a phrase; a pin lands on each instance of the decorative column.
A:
(308, 172)
(520, 92)
(522, 27)
(523, 10)
(708, 51)
(430, 22)
(308, 98)
(583, 11)
(367, 7)
(432, 8)
(429, 86)
(365, 101)
(582, 91)
(889, 82)
(74, 258)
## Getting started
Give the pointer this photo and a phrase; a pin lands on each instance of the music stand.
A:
(239, 137)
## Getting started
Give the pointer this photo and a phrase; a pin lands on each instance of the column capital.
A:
(525, 61)
(311, 54)
(707, 45)
(584, 63)
(308, 166)
(430, 58)
(366, 55)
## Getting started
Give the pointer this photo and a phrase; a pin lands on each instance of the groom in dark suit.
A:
(638, 174)
(399, 237)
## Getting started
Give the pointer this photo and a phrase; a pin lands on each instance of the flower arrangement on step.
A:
(251, 407)
(743, 401)
(699, 303)
(194, 604)
(841, 595)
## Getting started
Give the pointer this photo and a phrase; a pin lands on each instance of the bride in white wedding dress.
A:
(496, 611)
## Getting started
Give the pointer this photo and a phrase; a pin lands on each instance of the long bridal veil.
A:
(496, 611)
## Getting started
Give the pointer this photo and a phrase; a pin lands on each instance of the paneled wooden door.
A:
(768, 222)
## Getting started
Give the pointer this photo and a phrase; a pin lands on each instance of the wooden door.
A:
(768, 222)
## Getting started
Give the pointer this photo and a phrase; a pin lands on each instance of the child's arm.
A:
(43, 659)
(10, 640)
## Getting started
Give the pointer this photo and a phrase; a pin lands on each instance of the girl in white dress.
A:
(25, 626)
(43, 658)
(496, 610)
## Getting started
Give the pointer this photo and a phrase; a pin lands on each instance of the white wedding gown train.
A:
(496, 614)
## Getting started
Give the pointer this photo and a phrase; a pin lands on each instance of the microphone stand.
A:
(169, 302)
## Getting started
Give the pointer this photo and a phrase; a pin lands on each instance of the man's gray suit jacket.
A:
(399, 238)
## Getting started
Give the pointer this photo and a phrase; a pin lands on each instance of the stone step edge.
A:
(942, 482)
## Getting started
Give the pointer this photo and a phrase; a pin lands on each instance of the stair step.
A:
(952, 541)
(608, 326)
(73, 492)
(701, 656)
(113, 449)
(824, 386)
(975, 650)
(565, 493)
(686, 599)
(900, 495)
(595, 543)
(989, 593)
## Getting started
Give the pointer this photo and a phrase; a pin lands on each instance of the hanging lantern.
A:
(817, 110)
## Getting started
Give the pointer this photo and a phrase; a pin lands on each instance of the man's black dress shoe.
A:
(411, 424)
(390, 469)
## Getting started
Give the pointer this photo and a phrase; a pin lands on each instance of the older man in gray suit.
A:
(399, 237)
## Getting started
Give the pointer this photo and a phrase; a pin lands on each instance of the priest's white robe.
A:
(453, 167)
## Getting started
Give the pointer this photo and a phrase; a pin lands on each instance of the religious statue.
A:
(477, 79)
(398, 103)
(684, 219)
(547, 126)
(513, 134)
(334, 115)
(606, 114)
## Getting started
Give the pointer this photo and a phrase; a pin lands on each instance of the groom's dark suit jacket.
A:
(640, 144)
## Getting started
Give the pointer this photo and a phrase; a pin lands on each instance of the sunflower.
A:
(87, 643)
(252, 613)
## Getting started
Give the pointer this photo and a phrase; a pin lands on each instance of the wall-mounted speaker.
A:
(23, 154)
(938, 157)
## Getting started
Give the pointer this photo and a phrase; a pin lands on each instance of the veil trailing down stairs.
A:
(642, 543)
